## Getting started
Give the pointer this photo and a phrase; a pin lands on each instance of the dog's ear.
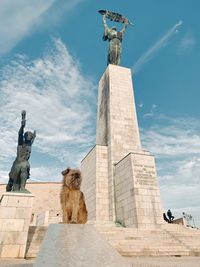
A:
(65, 171)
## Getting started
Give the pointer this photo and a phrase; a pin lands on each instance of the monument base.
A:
(137, 193)
(119, 177)
(94, 168)
(76, 245)
(15, 216)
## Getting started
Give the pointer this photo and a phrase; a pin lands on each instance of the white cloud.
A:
(194, 211)
(176, 139)
(44, 173)
(3, 176)
(141, 105)
(151, 113)
(20, 18)
(59, 9)
(154, 49)
(182, 197)
(187, 43)
(175, 142)
(60, 104)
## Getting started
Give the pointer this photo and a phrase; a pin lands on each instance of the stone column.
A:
(15, 216)
(128, 170)
(117, 125)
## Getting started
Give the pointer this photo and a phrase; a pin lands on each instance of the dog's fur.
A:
(72, 199)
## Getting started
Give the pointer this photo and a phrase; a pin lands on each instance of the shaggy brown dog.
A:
(72, 199)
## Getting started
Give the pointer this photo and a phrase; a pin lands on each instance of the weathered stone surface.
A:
(76, 246)
(15, 263)
(95, 183)
(169, 240)
(117, 124)
(15, 216)
(128, 172)
(137, 192)
(47, 198)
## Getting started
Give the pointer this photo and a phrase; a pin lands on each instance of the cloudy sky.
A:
(51, 58)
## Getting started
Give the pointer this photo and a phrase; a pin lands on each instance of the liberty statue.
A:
(113, 36)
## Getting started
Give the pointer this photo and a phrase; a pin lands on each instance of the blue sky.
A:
(51, 58)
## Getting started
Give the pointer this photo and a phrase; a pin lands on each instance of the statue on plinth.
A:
(113, 36)
(20, 170)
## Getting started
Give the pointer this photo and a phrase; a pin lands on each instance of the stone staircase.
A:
(35, 237)
(169, 240)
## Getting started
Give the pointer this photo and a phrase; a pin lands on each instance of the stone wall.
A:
(94, 168)
(15, 216)
(47, 198)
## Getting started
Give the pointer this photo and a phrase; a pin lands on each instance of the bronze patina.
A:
(20, 170)
(113, 36)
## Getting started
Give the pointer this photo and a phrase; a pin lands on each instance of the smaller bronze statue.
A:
(20, 170)
(113, 36)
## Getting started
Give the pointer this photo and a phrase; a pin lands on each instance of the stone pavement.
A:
(164, 261)
(7, 262)
(135, 261)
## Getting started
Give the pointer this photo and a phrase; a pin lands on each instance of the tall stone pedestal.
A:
(119, 177)
(15, 216)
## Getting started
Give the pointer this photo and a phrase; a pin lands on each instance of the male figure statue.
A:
(20, 170)
(115, 39)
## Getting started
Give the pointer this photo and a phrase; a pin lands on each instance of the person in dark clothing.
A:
(165, 218)
(170, 216)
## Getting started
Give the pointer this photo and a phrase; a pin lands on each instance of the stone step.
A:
(176, 228)
(154, 254)
(77, 245)
(15, 263)
(35, 237)
(164, 261)
(140, 238)
(171, 240)
(162, 242)
(160, 248)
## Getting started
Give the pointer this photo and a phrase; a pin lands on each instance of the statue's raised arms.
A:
(20, 170)
(113, 36)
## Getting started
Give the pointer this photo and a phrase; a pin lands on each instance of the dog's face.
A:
(72, 178)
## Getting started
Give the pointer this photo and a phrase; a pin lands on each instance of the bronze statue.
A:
(113, 36)
(20, 170)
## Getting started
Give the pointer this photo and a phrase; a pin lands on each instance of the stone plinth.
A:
(117, 125)
(15, 216)
(76, 245)
(94, 168)
(137, 192)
